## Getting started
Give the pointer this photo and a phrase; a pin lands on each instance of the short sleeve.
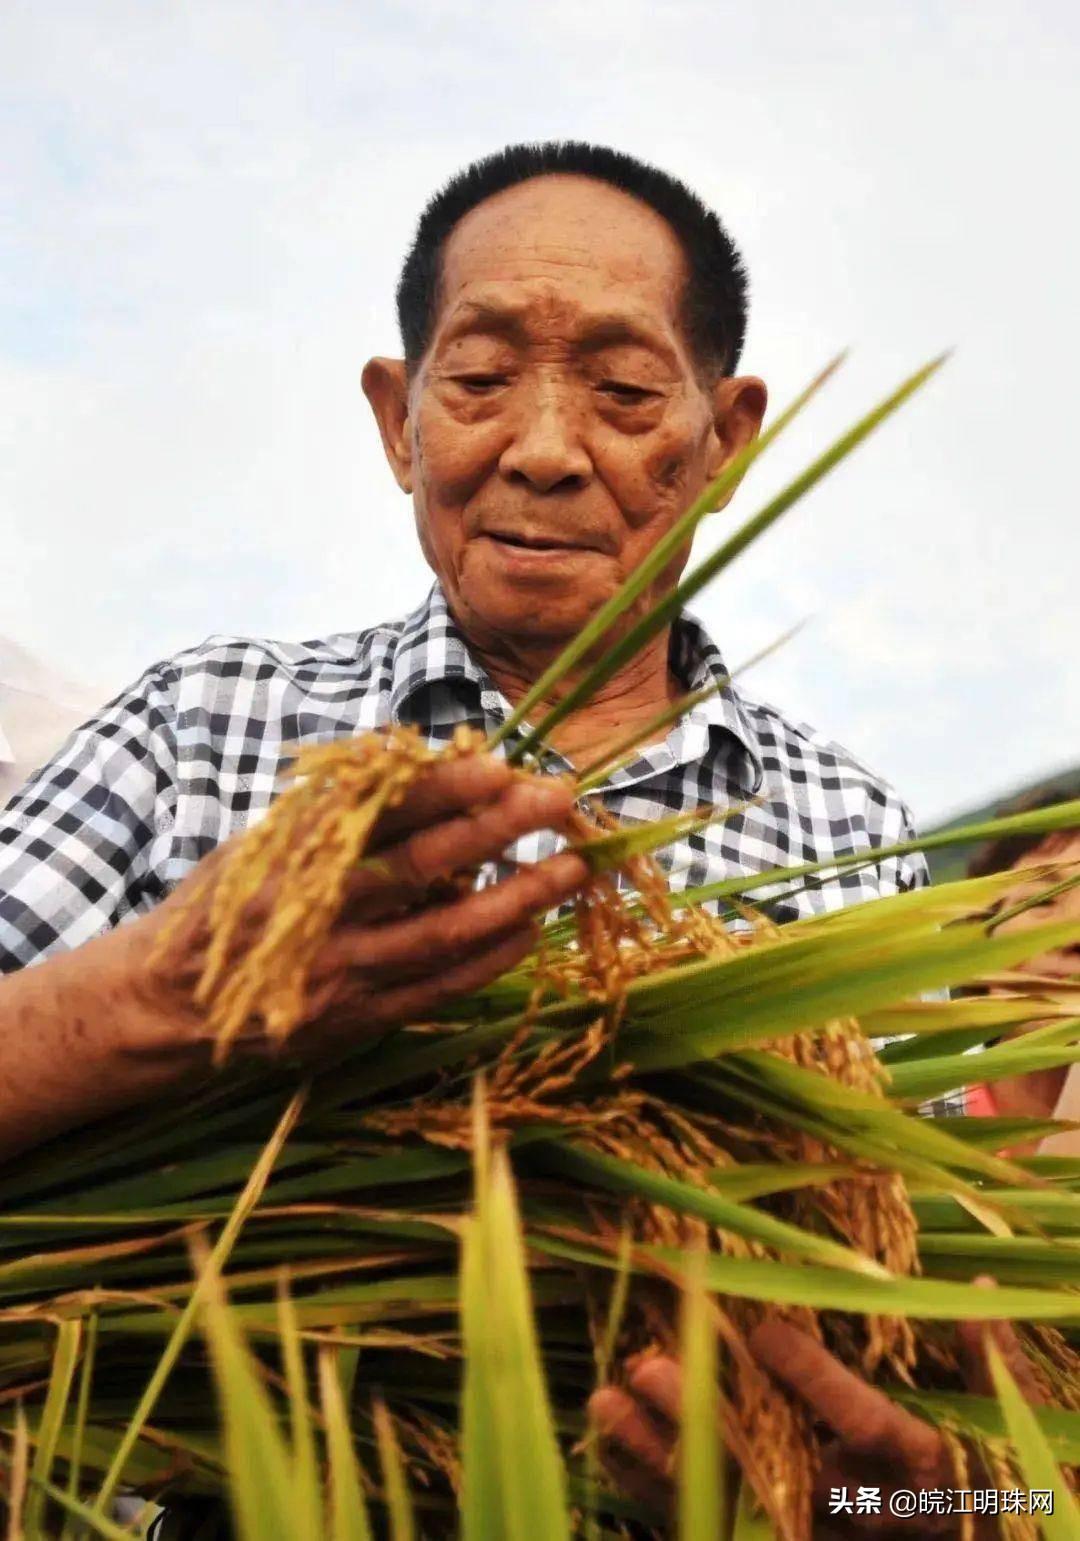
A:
(76, 843)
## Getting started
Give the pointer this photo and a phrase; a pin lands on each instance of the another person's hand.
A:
(875, 1443)
(408, 939)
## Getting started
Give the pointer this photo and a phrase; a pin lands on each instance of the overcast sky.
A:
(205, 205)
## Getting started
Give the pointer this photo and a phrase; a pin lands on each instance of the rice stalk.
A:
(666, 1102)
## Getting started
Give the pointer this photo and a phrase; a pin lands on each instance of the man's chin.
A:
(538, 625)
(521, 616)
(545, 606)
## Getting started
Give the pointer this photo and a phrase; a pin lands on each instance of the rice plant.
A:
(372, 1298)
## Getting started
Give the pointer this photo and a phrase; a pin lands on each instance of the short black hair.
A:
(715, 302)
(1001, 854)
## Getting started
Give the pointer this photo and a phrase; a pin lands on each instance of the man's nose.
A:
(546, 450)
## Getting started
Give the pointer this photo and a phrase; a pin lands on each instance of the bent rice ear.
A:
(386, 387)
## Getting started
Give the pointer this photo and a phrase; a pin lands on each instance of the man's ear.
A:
(739, 404)
(386, 387)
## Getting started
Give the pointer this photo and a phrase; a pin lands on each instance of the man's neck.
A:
(630, 699)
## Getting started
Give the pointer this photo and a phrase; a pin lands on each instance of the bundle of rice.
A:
(687, 1109)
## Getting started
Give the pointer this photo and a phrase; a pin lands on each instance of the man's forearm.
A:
(73, 1046)
(117, 1020)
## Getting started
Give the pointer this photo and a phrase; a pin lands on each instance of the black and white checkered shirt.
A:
(191, 752)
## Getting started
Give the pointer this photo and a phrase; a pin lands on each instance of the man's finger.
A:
(446, 931)
(442, 790)
(622, 1422)
(656, 1379)
(354, 1008)
(973, 1338)
(404, 871)
(637, 1482)
(414, 1002)
(862, 1417)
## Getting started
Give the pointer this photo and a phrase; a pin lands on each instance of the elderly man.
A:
(572, 322)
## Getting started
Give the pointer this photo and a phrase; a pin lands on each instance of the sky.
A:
(203, 208)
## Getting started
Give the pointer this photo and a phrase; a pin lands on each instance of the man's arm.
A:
(76, 847)
(69, 1032)
(80, 843)
(97, 1028)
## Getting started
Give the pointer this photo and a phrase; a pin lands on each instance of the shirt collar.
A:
(431, 652)
(698, 662)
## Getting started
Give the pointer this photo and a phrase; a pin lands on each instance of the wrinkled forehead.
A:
(1058, 845)
(535, 311)
(1062, 899)
(557, 245)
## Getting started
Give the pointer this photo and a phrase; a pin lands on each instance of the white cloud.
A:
(212, 202)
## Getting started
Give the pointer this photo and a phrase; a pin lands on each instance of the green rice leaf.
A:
(751, 1523)
(305, 1462)
(20, 1472)
(605, 853)
(986, 1015)
(514, 1479)
(532, 1476)
(756, 1180)
(727, 1215)
(983, 1418)
(827, 1289)
(1033, 1453)
(265, 1503)
(86, 1375)
(1040, 821)
(998, 1132)
(701, 1454)
(100, 1524)
(348, 1518)
(605, 1354)
(805, 981)
(249, 1198)
(481, 1500)
(1054, 1210)
(65, 1358)
(846, 1111)
(398, 1505)
(1012, 1259)
(931, 1078)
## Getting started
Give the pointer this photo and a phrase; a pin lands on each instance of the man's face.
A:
(557, 424)
(1064, 963)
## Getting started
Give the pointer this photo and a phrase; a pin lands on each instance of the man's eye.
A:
(480, 383)
(628, 395)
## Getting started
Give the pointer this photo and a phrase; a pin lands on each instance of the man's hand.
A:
(112, 1022)
(408, 939)
(874, 1442)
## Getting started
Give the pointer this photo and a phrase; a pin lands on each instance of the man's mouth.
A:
(537, 543)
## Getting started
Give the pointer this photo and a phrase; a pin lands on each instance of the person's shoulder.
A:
(798, 750)
(227, 655)
(341, 649)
